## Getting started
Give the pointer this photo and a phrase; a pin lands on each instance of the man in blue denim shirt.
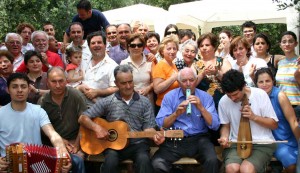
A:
(203, 116)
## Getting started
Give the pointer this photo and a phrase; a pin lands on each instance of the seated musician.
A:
(125, 105)
(64, 105)
(22, 121)
(261, 116)
(203, 116)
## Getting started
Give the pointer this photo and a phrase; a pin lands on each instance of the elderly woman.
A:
(189, 51)
(38, 78)
(287, 129)
(142, 78)
(25, 30)
(165, 72)
(240, 50)
(6, 69)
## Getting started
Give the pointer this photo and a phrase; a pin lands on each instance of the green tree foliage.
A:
(273, 31)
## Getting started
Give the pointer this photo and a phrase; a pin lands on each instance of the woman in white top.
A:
(240, 50)
(142, 78)
(225, 37)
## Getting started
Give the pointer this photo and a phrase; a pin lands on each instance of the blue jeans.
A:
(77, 164)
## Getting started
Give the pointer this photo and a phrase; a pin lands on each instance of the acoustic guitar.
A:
(118, 136)
(244, 149)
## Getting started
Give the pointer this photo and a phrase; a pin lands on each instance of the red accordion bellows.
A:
(30, 158)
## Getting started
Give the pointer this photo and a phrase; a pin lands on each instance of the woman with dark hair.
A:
(287, 129)
(262, 46)
(142, 78)
(287, 76)
(240, 50)
(6, 69)
(171, 29)
(152, 40)
(38, 78)
(225, 37)
(210, 67)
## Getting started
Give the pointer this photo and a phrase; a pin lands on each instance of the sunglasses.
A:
(136, 45)
(171, 32)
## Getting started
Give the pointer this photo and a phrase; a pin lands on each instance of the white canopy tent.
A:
(156, 18)
(217, 13)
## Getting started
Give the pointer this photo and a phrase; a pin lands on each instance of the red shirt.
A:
(53, 59)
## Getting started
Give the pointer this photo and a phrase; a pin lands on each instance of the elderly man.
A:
(134, 109)
(119, 52)
(92, 20)
(98, 72)
(40, 41)
(64, 105)
(195, 124)
(13, 43)
(76, 35)
(23, 122)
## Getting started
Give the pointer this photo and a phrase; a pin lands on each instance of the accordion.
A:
(31, 158)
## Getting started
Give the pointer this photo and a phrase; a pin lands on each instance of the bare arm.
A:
(160, 85)
(224, 135)
(66, 38)
(263, 121)
(71, 74)
(86, 122)
(289, 114)
(297, 75)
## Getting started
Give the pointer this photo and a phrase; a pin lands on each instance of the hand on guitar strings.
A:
(247, 112)
(101, 133)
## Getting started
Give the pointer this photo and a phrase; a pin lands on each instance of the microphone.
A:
(188, 108)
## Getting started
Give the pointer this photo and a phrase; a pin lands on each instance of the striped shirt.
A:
(138, 114)
(286, 81)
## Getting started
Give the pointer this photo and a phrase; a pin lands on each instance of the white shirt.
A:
(229, 113)
(101, 75)
(86, 53)
(27, 47)
(246, 68)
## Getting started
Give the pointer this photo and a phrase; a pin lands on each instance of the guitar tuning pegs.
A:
(179, 139)
(170, 128)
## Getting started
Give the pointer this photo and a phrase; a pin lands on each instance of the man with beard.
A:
(119, 52)
(98, 72)
(40, 41)
(76, 35)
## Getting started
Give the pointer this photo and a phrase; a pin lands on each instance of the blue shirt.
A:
(95, 23)
(191, 124)
(117, 53)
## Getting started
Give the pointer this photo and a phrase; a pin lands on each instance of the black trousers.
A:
(139, 153)
(199, 147)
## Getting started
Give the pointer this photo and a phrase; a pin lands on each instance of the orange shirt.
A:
(164, 71)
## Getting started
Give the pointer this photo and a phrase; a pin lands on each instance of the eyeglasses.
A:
(171, 32)
(136, 45)
(14, 43)
(110, 33)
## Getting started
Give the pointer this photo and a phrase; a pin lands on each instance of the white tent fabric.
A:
(156, 18)
(217, 13)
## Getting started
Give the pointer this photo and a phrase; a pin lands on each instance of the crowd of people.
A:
(48, 89)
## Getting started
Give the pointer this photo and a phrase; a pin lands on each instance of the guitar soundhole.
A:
(113, 135)
(243, 146)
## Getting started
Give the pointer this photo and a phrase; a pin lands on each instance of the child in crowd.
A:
(75, 74)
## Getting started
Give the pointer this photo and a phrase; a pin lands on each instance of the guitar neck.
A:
(150, 134)
(142, 134)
